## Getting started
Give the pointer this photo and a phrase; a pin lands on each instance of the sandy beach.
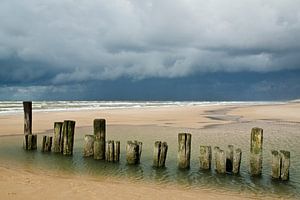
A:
(188, 116)
(18, 183)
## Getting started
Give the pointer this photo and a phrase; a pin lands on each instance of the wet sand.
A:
(287, 112)
(18, 183)
(174, 116)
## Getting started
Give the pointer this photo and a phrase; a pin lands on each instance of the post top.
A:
(274, 152)
(285, 153)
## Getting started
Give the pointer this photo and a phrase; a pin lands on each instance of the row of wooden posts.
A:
(96, 146)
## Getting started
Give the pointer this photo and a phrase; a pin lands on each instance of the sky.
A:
(150, 50)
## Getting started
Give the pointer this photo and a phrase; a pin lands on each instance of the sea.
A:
(40, 106)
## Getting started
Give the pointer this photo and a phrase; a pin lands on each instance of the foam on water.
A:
(9, 107)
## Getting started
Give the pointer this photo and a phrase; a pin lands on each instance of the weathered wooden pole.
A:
(220, 160)
(256, 151)
(110, 151)
(25, 142)
(88, 146)
(57, 138)
(68, 137)
(117, 151)
(156, 153)
(30, 140)
(27, 105)
(99, 144)
(140, 148)
(133, 152)
(47, 144)
(160, 154)
(285, 165)
(216, 154)
(205, 157)
(280, 165)
(184, 150)
(98, 150)
(276, 164)
(163, 154)
(229, 158)
(237, 158)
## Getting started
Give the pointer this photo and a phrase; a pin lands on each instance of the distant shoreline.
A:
(184, 115)
(16, 107)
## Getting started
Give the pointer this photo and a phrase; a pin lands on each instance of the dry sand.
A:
(21, 184)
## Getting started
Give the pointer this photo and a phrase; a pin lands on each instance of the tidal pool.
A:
(277, 135)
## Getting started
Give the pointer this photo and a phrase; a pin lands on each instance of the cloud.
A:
(75, 41)
(219, 86)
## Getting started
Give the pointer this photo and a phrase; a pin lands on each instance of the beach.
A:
(221, 122)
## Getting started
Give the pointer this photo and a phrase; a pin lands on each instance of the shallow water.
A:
(277, 135)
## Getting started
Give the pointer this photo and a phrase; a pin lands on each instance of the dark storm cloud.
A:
(76, 41)
(219, 86)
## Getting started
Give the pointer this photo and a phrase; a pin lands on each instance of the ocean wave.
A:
(7, 107)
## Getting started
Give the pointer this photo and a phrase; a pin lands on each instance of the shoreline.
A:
(175, 116)
(190, 116)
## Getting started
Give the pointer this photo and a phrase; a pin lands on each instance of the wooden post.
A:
(276, 164)
(99, 129)
(98, 153)
(184, 150)
(156, 153)
(88, 146)
(44, 142)
(237, 158)
(205, 157)
(57, 138)
(25, 142)
(140, 148)
(117, 151)
(160, 154)
(68, 137)
(216, 154)
(229, 159)
(47, 144)
(99, 144)
(133, 152)
(110, 151)
(34, 142)
(256, 151)
(30, 142)
(163, 154)
(62, 139)
(220, 160)
(27, 106)
(285, 165)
